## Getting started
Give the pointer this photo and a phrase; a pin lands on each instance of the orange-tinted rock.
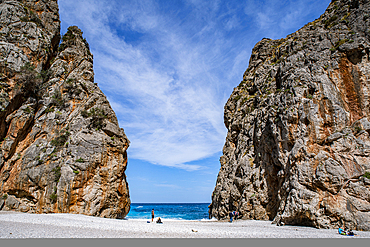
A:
(297, 149)
(62, 149)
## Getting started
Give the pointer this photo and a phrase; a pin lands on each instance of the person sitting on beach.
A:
(349, 232)
(341, 231)
(159, 221)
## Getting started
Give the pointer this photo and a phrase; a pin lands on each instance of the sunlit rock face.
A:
(298, 148)
(61, 150)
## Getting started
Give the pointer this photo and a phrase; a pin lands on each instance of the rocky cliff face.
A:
(298, 147)
(61, 146)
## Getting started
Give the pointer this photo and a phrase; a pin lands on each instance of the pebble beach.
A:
(24, 225)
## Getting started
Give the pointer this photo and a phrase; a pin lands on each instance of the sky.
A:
(167, 69)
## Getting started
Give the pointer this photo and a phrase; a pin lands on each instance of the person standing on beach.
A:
(236, 215)
(152, 214)
(231, 216)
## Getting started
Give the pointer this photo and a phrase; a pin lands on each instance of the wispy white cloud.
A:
(167, 105)
(173, 186)
(274, 18)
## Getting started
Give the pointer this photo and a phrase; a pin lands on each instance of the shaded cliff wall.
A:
(297, 148)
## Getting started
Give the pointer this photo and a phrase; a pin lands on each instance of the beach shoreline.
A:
(25, 225)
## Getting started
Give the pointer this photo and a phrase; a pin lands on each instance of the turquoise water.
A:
(178, 211)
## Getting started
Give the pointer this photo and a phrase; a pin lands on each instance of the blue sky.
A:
(168, 68)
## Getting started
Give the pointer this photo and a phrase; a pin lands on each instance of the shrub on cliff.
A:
(27, 79)
(58, 100)
(97, 118)
(60, 140)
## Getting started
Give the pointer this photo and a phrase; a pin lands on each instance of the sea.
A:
(173, 211)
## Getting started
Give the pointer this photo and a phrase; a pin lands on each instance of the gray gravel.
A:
(23, 225)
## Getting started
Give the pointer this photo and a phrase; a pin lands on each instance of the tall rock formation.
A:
(298, 147)
(61, 148)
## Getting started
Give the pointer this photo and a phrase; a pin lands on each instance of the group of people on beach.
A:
(344, 231)
(159, 221)
(233, 214)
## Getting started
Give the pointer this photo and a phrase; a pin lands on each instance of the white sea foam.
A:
(213, 219)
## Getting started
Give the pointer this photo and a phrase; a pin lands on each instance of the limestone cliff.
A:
(298, 147)
(61, 148)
